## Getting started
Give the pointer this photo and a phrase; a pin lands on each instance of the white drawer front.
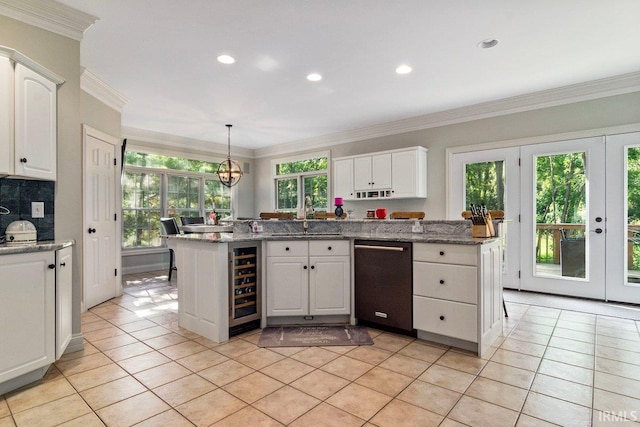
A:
(288, 248)
(445, 281)
(328, 247)
(447, 254)
(451, 319)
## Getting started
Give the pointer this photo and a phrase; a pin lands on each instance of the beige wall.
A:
(62, 56)
(100, 116)
(601, 113)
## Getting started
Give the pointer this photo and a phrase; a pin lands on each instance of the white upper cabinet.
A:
(28, 117)
(390, 174)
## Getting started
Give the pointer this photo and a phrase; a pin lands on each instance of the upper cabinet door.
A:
(381, 171)
(362, 173)
(343, 179)
(6, 119)
(409, 173)
(35, 125)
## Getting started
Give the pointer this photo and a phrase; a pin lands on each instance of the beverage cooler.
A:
(245, 290)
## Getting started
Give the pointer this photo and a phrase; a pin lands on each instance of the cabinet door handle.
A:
(92, 230)
(63, 264)
(313, 267)
(441, 253)
(329, 248)
(23, 160)
(287, 248)
(52, 266)
(441, 317)
(305, 267)
(441, 282)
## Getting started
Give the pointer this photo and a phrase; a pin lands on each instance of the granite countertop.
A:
(46, 245)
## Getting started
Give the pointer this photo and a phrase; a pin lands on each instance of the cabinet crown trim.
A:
(375, 153)
(16, 56)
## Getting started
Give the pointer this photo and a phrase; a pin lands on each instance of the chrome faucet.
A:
(305, 226)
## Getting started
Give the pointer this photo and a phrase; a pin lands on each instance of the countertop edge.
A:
(47, 245)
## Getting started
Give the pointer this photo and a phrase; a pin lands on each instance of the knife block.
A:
(485, 230)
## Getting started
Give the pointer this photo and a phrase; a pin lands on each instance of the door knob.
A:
(598, 230)
(598, 219)
(92, 230)
(23, 160)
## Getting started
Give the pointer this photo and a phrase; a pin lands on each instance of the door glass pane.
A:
(484, 184)
(560, 208)
(633, 215)
(287, 197)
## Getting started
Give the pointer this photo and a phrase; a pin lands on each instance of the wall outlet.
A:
(37, 209)
(416, 227)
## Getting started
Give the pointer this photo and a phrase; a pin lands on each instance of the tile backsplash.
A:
(17, 195)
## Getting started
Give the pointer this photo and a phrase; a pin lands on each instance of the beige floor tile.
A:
(556, 411)
(259, 358)
(181, 350)
(89, 317)
(508, 375)
(622, 344)
(544, 311)
(529, 336)
(247, 417)
(286, 404)
(359, 401)
(39, 394)
(4, 408)
(618, 333)
(617, 323)
(369, 354)
(87, 420)
(319, 384)
(7, 421)
(203, 360)
(165, 340)
(53, 413)
(347, 367)
(405, 365)
(127, 351)
(575, 316)
(384, 381)
(518, 360)
(529, 421)
(133, 410)
(577, 326)
(534, 327)
(162, 374)
(253, 387)
(448, 378)
(618, 354)
(171, 418)
(120, 319)
(622, 369)
(616, 403)
(566, 372)
(572, 345)
(112, 392)
(430, 397)
(328, 416)
(137, 326)
(498, 393)
(287, 370)
(399, 413)
(582, 360)
(102, 333)
(448, 422)
(523, 347)
(86, 350)
(114, 342)
(81, 364)
(287, 351)
(563, 389)
(136, 364)
(97, 376)
(575, 335)
(315, 356)
(539, 320)
(225, 372)
(183, 390)
(340, 349)
(617, 384)
(52, 374)
(392, 342)
(149, 333)
(422, 351)
(474, 412)
(236, 348)
(462, 362)
(94, 326)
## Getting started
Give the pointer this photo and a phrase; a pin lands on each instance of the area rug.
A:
(313, 336)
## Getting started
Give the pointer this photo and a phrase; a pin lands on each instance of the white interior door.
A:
(623, 218)
(100, 243)
(563, 192)
(500, 171)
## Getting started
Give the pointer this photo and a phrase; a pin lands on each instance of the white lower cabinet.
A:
(457, 293)
(35, 311)
(308, 278)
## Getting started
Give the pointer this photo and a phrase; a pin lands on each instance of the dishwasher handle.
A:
(380, 248)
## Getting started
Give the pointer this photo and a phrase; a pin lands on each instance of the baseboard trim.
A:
(76, 343)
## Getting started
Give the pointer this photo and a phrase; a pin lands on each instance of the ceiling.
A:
(161, 55)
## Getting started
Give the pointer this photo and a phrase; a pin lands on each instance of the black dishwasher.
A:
(383, 284)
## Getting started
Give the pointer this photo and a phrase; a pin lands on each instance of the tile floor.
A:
(138, 367)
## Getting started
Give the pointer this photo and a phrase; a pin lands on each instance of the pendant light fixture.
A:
(229, 171)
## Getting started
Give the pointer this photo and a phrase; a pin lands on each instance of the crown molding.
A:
(49, 15)
(611, 86)
(97, 88)
(16, 56)
(172, 142)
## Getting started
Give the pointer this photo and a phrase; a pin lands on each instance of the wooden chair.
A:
(407, 215)
(327, 215)
(170, 227)
(276, 215)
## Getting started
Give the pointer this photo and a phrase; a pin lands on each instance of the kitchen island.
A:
(203, 263)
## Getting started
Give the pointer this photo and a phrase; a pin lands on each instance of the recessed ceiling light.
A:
(314, 77)
(404, 69)
(226, 59)
(488, 43)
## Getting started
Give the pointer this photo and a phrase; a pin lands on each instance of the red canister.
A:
(381, 213)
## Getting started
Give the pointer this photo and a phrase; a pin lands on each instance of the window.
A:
(156, 186)
(297, 178)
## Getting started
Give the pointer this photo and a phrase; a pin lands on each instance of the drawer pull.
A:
(305, 267)
(380, 248)
(441, 253)
(441, 317)
(287, 248)
(380, 314)
(329, 248)
(441, 282)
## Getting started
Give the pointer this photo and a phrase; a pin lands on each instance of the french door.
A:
(578, 203)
